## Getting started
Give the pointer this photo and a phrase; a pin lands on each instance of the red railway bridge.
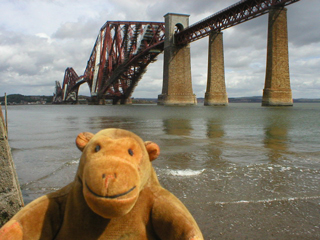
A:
(123, 50)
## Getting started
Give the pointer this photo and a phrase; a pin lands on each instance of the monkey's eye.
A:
(130, 152)
(97, 149)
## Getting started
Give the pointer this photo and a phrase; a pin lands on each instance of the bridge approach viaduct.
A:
(177, 85)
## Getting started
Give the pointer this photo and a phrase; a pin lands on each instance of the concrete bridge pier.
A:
(177, 84)
(216, 94)
(277, 90)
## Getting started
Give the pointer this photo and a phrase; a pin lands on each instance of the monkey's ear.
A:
(82, 139)
(152, 149)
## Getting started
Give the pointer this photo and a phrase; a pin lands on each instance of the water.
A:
(244, 171)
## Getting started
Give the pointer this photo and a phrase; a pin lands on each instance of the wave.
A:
(269, 200)
(62, 167)
(185, 172)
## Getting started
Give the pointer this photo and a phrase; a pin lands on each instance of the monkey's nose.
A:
(108, 178)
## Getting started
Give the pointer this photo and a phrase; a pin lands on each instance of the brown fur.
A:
(115, 195)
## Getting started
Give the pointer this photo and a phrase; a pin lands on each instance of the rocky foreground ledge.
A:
(10, 194)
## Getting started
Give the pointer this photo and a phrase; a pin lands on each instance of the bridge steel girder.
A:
(233, 15)
(120, 56)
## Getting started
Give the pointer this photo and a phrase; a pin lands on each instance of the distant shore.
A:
(19, 99)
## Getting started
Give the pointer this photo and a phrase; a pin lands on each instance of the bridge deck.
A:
(235, 14)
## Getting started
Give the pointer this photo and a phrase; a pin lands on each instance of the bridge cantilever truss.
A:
(120, 56)
(70, 87)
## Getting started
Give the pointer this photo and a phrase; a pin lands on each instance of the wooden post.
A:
(6, 111)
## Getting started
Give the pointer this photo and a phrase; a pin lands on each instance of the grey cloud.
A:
(78, 30)
(303, 19)
(34, 61)
(186, 7)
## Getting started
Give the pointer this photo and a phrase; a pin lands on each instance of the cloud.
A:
(80, 29)
(28, 62)
(302, 22)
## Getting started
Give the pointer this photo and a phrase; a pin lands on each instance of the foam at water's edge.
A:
(185, 172)
(268, 200)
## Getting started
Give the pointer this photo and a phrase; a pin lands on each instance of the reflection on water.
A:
(276, 136)
(244, 171)
(215, 128)
(179, 127)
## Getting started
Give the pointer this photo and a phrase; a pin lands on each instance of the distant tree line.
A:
(22, 99)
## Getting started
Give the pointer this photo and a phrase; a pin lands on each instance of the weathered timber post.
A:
(277, 90)
(10, 194)
(177, 85)
(216, 94)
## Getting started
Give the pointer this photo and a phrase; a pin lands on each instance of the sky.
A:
(39, 39)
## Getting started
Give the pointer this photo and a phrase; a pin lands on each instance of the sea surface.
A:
(244, 171)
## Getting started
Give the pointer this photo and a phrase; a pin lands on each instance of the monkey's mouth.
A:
(112, 196)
